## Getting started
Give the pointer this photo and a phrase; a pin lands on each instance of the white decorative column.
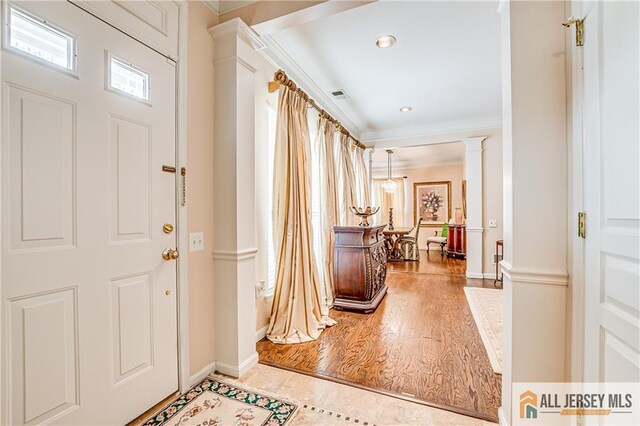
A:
(535, 198)
(234, 242)
(473, 175)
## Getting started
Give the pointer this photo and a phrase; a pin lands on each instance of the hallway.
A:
(420, 345)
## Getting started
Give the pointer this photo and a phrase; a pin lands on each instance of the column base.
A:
(237, 370)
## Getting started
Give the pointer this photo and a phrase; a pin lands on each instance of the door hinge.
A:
(582, 224)
(579, 23)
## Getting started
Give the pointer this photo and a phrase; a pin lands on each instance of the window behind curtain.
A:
(315, 194)
(315, 191)
(271, 256)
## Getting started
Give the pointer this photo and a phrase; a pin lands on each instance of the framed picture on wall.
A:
(432, 202)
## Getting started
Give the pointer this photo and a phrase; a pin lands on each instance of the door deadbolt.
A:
(167, 228)
(169, 254)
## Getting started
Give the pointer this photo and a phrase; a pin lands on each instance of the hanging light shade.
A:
(389, 185)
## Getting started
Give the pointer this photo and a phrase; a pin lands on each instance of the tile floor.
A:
(355, 403)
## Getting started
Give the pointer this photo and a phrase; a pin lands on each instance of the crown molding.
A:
(279, 56)
(243, 31)
(414, 166)
(220, 7)
(213, 5)
(373, 138)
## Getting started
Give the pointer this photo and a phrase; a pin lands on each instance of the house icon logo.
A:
(528, 405)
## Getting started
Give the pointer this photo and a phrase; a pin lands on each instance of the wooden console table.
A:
(359, 267)
(457, 241)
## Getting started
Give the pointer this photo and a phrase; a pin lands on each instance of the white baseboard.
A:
(489, 275)
(502, 419)
(200, 375)
(477, 275)
(261, 333)
(237, 371)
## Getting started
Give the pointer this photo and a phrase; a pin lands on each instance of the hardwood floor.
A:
(431, 262)
(421, 344)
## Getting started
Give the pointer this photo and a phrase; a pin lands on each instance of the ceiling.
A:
(445, 64)
(420, 156)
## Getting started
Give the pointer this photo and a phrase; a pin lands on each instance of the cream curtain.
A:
(361, 176)
(389, 199)
(346, 182)
(297, 313)
(325, 149)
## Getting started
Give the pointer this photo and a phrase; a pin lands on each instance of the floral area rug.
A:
(214, 402)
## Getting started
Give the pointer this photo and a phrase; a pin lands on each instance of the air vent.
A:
(339, 94)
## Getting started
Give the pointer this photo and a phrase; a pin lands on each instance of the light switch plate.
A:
(196, 241)
(493, 223)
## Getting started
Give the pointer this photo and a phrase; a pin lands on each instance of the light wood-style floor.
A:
(421, 344)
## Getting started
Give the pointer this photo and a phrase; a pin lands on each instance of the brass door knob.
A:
(169, 254)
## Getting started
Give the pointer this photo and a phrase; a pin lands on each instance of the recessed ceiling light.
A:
(385, 41)
(406, 109)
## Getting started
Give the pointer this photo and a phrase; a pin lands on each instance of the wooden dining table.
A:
(392, 236)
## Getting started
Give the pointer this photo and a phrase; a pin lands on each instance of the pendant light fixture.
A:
(389, 185)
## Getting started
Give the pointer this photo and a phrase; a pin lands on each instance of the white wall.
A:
(535, 195)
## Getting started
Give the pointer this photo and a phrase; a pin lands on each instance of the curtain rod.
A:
(280, 77)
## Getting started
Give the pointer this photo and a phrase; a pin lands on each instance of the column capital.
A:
(474, 144)
(238, 28)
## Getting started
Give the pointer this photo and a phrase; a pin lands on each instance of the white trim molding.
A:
(202, 373)
(413, 165)
(425, 130)
(261, 333)
(226, 6)
(237, 28)
(502, 420)
(474, 275)
(182, 233)
(489, 276)
(240, 370)
(534, 276)
(235, 255)
(475, 229)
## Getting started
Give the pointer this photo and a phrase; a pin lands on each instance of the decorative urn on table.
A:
(364, 214)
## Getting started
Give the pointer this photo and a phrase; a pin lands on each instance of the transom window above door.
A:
(37, 39)
(127, 79)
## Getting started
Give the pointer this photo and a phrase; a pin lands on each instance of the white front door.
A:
(611, 117)
(89, 329)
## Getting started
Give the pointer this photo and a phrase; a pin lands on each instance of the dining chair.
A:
(408, 244)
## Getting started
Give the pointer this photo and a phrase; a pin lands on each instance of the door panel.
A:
(611, 194)
(43, 212)
(130, 169)
(92, 335)
(132, 332)
(44, 324)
